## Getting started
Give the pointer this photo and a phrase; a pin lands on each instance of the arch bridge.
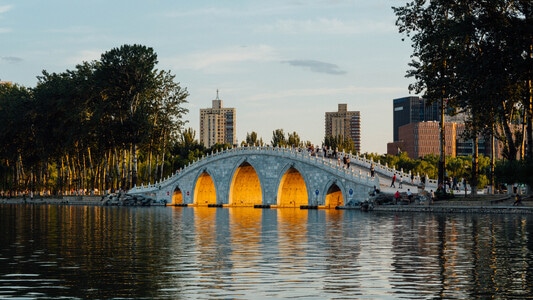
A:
(268, 177)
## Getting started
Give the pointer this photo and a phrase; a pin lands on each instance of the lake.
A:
(95, 252)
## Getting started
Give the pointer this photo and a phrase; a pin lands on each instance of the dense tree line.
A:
(456, 167)
(89, 128)
(476, 57)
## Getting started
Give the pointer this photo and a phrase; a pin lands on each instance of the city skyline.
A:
(281, 64)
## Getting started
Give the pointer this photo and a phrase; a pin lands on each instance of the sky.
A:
(281, 63)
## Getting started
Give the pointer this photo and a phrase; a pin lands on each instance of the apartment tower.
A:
(217, 124)
(346, 124)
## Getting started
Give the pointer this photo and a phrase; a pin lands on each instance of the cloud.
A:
(229, 55)
(84, 56)
(5, 8)
(329, 26)
(307, 93)
(11, 59)
(316, 66)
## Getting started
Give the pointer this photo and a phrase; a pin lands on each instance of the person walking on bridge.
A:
(393, 180)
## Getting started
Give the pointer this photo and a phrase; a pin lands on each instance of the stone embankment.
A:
(70, 200)
(500, 204)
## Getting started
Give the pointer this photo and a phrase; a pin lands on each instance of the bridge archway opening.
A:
(204, 190)
(245, 189)
(292, 190)
(334, 197)
(177, 196)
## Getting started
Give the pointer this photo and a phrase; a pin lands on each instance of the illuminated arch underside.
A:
(292, 190)
(245, 188)
(204, 191)
(177, 197)
(334, 197)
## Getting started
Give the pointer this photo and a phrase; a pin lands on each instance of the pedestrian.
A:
(396, 197)
(412, 178)
(393, 180)
(400, 184)
(372, 171)
(409, 195)
(348, 162)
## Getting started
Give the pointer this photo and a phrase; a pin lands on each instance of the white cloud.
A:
(329, 26)
(5, 8)
(327, 92)
(84, 55)
(225, 56)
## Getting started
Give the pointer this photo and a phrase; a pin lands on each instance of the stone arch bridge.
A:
(266, 177)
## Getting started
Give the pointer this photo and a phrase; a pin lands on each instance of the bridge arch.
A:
(245, 187)
(204, 190)
(177, 196)
(292, 188)
(334, 195)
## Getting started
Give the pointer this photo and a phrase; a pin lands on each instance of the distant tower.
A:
(217, 124)
(345, 123)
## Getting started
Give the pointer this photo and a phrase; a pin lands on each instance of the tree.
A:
(278, 138)
(17, 135)
(467, 56)
(293, 140)
(187, 149)
(251, 140)
(127, 79)
(340, 142)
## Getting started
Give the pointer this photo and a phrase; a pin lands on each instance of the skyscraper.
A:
(346, 124)
(412, 110)
(217, 124)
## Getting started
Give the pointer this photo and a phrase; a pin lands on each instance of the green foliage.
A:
(457, 167)
(278, 138)
(252, 140)
(509, 172)
(90, 121)
(476, 57)
(343, 144)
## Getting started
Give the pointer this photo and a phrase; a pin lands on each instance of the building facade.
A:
(417, 131)
(344, 123)
(217, 124)
(412, 110)
(422, 138)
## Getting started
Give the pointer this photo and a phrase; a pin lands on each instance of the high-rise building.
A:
(419, 139)
(416, 130)
(412, 110)
(217, 124)
(346, 124)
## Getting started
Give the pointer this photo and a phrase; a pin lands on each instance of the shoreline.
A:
(501, 204)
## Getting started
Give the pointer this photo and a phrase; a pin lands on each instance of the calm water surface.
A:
(51, 251)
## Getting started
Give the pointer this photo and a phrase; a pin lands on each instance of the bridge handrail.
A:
(317, 158)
